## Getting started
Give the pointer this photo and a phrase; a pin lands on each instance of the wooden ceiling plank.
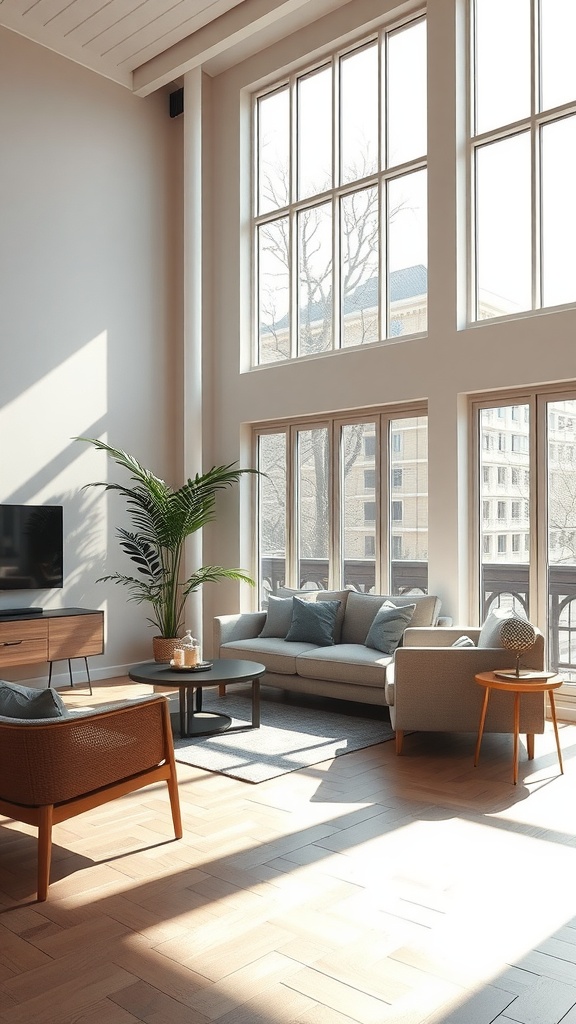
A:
(152, 39)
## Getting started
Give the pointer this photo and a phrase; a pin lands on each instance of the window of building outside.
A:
(536, 573)
(370, 479)
(396, 478)
(306, 539)
(501, 475)
(522, 144)
(340, 192)
(369, 511)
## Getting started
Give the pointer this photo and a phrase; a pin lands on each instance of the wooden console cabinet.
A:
(56, 635)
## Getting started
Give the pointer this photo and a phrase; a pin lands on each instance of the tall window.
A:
(523, 139)
(536, 571)
(340, 218)
(319, 525)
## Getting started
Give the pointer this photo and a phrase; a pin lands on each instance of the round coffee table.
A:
(544, 682)
(193, 720)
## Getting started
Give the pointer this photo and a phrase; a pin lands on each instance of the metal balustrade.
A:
(502, 583)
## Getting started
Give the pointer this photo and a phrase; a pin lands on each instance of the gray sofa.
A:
(348, 669)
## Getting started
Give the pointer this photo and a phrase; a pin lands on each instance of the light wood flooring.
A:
(371, 888)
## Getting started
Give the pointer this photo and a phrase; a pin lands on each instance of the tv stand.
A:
(58, 634)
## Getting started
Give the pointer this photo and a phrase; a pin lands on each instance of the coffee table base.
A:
(201, 723)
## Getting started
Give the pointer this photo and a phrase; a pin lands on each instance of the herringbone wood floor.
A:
(366, 889)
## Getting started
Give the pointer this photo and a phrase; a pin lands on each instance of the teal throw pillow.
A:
(388, 625)
(278, 617)
(27, 702)
(313, 622)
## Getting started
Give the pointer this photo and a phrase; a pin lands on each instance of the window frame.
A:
(533, 123)
(383, 417)
(382, 176)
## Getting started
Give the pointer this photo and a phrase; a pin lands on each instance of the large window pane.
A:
(359, 255)
(273, 291)
(558, 211)
(503, 226)
(315, 132)
(315, 279)
(408, 462)
(557, 34)
(504, 507)
(359, 113)
(502, 62)
(561, 500)
(313, 516)
(359, 505)
(272, 512)
(273, 150)
(406, 121)
(407, 254)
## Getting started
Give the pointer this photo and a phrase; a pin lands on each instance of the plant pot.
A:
(163, 648)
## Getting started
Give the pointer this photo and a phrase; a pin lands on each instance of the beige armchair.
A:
(52, 769)
(431, 688)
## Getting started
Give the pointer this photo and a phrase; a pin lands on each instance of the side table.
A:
(545, 683)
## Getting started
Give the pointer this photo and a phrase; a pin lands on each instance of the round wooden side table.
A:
(545, 683)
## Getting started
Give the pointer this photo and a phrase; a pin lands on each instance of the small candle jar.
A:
(191, 657)
(178, 657)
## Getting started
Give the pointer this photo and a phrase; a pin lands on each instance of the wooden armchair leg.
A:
(222, 690)
(399, 740)
(44, 851)
(530, 745)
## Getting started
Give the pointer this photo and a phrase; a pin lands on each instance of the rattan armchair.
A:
(54, 769)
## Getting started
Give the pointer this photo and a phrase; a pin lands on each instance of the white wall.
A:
(442, 368)
(90, 313)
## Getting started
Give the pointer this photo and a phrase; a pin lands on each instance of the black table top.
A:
(224, 670)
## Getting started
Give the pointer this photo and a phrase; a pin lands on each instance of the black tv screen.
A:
(31, 547)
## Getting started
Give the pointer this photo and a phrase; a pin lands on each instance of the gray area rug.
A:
(289, 737)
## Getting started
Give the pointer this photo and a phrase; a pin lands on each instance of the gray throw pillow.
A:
(26, 702)
(313, 622)
(490, 632)
(278, 617)
(464, 641)
(388, 625)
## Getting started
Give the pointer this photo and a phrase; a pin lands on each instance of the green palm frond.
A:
(162, 519)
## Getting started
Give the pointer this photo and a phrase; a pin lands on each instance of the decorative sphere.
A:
(517, 635)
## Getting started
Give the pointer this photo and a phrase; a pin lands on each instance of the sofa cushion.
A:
(490, 632)
(28, 702)
(361, 609)
(313, 622)
(345, 663)
(388, 625)
(278, 617)
(275, 654)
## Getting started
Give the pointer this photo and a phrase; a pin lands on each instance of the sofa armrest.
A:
(437, 636)
(243, 626)
(433, 688)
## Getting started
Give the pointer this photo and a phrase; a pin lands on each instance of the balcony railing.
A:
(501, 583)
(509, 579)
(359, 574)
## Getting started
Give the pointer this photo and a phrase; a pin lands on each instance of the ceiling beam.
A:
(231, 29)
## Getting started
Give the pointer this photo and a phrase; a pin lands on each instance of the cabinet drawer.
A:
(23, 652)
(75, 636)
(25, 629)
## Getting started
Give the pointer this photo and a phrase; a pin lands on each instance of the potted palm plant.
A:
(162, 519)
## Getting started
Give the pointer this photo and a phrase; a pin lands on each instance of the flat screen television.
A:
(31, 547)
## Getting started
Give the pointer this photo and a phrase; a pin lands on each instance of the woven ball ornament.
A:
(517, 635)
